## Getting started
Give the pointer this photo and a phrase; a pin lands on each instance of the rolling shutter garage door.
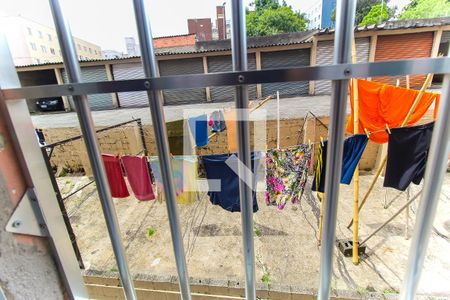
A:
(182, 67)
(130, 71)
(92, 74)
(285, 59)
(403, 46)
(325, 57)
(224, 64)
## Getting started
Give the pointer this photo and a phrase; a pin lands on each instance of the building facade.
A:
(320, 15)
(34, 43)
(111, 54)
(202, 28)
(314, 15)
(221, 23)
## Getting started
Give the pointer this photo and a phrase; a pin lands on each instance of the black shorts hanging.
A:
(407, 155)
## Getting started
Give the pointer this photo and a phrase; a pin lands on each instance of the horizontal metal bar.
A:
(74, 138)
(330, 72)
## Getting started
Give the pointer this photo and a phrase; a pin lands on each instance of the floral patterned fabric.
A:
(287, 173)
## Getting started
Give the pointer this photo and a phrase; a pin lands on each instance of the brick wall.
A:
(120, 141)
(404, 46)
(173, 41)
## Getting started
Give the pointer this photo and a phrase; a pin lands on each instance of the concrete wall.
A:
(27, 269)
(127, 140)
(107, 286)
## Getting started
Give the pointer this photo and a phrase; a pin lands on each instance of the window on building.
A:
(40, 34)
(79, 47)
(29, 31)
(81, 56)
(33, 46)
(95, 51)
(85, 48)
(37, 60)
(90, 50)
(43, 49)
(49, 37)
(52, 51)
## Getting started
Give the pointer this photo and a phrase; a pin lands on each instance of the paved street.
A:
(289, 108)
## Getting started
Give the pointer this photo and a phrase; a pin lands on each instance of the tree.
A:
(363, 7)
(269, 17)
(377, 14)
(424, 9)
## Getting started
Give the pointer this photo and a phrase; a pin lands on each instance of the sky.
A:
(107, 22)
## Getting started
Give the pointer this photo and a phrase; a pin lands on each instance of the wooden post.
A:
(354, 87)
(109, 75)
(405, 122)
(322, 205)
(313, 62)
(60, 80)
(258, 67)
(205, 70)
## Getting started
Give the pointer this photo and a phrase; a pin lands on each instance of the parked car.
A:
(50, 104)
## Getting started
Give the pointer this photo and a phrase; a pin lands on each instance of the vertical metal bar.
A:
(19, 123)
(239, 57)
(157, 112)
(62, 207)
(141, 132)
(87, 128)
(436, 166)
(342, 54)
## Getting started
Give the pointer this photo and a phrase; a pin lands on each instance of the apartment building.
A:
(33, 43)
(320, 14)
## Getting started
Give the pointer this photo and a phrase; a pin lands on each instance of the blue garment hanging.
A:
(217, 169)
(199, 129)
(353, 149)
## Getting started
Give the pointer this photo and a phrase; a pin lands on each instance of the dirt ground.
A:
(286, 241)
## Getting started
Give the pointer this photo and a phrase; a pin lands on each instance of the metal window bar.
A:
(239, 58)
(339, 72)
(72, 67)
(149, 64)
(345, 16)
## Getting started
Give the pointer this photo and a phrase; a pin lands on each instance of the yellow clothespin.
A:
(321, 141)
(388, 129)
(367, 132)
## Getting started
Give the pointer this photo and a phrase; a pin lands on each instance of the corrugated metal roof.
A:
(216, 46)
(399, 24)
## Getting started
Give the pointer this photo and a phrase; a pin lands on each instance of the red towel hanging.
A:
(115, 176)
(138, 177)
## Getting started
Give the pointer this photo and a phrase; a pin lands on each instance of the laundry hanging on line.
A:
(199, 129)
(115, 176)
(217, 121)
(381, 104)
(138, 176)
(287, 173)
(353, 149)
(408, 149)
(225, 193)
(184, 170)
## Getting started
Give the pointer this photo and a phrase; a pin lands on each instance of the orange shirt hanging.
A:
(381, 104)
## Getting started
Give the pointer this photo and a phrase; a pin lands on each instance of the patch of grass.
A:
(390, 291)
(63, 173)
(258, 232)
(360, 290)
(266, 277)
(113, 269)
(151, 231)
